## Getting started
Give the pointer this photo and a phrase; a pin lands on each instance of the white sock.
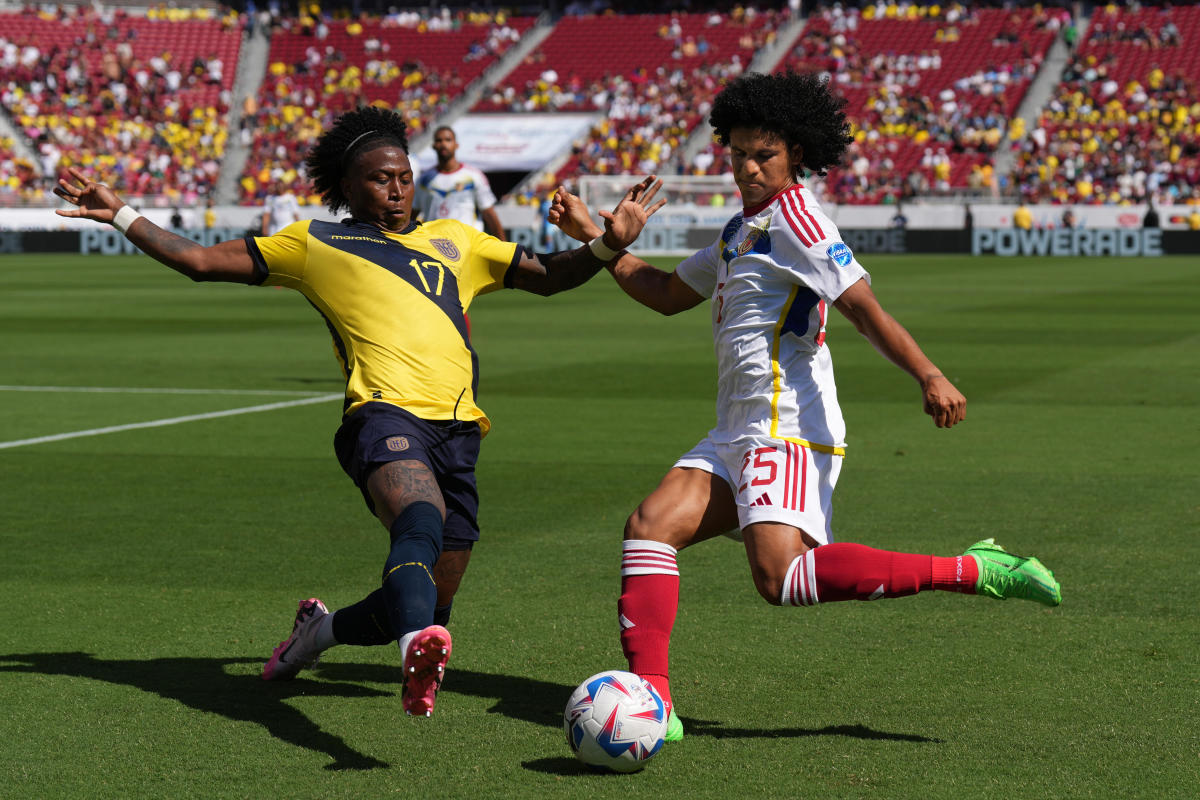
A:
(404, 640)
(324, 636)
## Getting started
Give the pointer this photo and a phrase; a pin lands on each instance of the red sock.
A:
(847, 571)
(649, 600)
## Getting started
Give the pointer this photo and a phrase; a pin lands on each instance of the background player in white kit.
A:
(454, 190)
(768, 468)
(280, 209)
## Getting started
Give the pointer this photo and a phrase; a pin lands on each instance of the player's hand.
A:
(624, 223)
(93, 200)
(943, 402)
(571, 215)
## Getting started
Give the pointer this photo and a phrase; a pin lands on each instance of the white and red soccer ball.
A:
(615, 721)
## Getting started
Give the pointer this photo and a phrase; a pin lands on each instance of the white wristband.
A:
(600, 250)
(125, 217)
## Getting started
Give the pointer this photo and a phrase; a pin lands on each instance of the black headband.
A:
(356, 142)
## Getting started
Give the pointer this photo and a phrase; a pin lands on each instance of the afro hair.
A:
(351, 132)
(797, 107)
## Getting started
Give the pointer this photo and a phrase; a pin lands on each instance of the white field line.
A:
(159, 423)
(136, 390)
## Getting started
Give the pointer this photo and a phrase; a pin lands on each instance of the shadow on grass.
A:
(527, 699)
(203, 684)
(695, 728)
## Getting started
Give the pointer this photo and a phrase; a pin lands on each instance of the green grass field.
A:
(148, 571)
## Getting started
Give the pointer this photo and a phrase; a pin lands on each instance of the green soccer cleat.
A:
(1003, 575)
(674, 729)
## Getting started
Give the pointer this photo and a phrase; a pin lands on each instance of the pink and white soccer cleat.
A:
(298, 650)
(424, 668)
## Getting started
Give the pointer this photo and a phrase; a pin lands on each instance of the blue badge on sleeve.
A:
(840, 254)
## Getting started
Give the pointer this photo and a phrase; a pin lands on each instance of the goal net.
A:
(605, 191)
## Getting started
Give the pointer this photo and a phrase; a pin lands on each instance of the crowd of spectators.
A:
(648, 118)
(917, 126)
(652, 97)
(19, 183)
(139, 101)
(1123, 125)
(1100, 141)
(321, 67)
(142, 101)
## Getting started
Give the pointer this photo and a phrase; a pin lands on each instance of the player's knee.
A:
(654, 524)
(639, 525)
(769, 585)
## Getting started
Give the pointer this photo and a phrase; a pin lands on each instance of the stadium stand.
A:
(930, 91)
(1124, 122)
(322, 67)
(143, 98)
(140, 100)
(654, 84)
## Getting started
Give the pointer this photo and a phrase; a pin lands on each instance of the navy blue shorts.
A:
(379, 433)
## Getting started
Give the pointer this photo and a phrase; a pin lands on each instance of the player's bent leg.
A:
(300, 648)
(849, 571)
(773, 548)
(688, 506)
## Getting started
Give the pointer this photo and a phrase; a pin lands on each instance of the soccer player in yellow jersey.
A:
(394, 293)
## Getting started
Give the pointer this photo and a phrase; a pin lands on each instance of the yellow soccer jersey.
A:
(395, 304)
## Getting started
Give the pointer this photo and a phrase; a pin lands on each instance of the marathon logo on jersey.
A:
(397, 444)
(447, 248)
(840, 254)
(372, 239)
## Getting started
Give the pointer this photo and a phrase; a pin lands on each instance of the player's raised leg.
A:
(688, 506)
(785, 502)
(849, 571)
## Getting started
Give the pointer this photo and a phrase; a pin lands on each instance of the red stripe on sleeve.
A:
(795, 222)
(806, 213)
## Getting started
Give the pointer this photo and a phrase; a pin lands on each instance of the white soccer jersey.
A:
(459, 195)
(772, 275)
(282, 210)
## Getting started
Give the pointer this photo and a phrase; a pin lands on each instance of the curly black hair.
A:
(800, 108)
(328, 159)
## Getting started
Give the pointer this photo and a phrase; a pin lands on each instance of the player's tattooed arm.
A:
(550, 273)
(227, 261)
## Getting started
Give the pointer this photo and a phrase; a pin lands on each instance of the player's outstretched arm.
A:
(227, 261)
(652, 287)
(941, 400)
(546, 274)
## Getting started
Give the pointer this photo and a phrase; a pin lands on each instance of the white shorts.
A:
(773, 480)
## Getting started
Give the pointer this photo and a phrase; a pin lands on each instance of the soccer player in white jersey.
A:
(455, 190)
(766, 472)
(279, 210)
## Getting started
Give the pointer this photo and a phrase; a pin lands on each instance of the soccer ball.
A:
(615, 721)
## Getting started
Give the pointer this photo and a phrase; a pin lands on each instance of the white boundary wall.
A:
(919, 217)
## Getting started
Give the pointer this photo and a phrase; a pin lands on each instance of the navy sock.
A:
(409, 591)
(364, 623)
(441, 614)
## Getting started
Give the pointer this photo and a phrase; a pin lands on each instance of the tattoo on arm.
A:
(163, 245)
(564, 270)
